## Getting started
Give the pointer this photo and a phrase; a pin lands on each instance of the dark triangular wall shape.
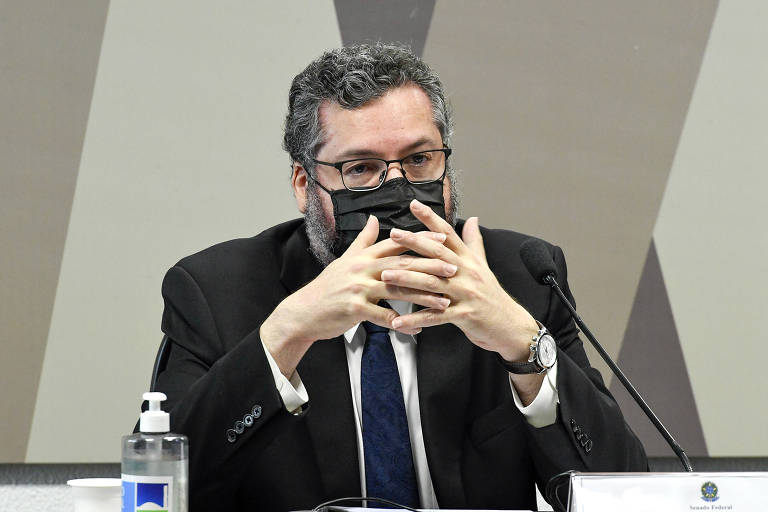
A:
(653, 360)
(401, 21)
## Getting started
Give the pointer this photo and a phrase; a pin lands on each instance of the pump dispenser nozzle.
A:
(155, 463)
(154, 420)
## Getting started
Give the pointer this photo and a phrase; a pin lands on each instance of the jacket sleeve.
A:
(219, 399)
(590, 433)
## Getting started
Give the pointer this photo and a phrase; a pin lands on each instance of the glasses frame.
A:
(383, 176)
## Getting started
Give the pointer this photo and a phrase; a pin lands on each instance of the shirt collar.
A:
(401, 307)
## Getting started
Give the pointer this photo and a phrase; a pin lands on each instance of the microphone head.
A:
(537, 259)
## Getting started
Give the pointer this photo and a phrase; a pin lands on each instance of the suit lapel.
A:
(323, 369)
(330, 416)
(444, 361)
(299, 266)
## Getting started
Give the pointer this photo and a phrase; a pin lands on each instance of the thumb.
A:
(472, 237)
(367, 237)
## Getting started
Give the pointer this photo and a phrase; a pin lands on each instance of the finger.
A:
(472, 236)
(367, 235)
(415, 280)
(437, 237)
(423, 318)
(379, 315)
(389, 247)
(437, 224)
(432, 266)
(424, 246)
(420, 297)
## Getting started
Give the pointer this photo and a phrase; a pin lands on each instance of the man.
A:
(333, 356)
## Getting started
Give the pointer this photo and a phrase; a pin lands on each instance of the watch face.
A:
(547, 351)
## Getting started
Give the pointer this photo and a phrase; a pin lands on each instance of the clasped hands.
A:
(457, 286)
(451, 280)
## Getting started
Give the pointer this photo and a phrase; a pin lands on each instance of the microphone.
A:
(541, 266)
(537, 259)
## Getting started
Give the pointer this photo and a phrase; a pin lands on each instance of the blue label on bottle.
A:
(141, 493)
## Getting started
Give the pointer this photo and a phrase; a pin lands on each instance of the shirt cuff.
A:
(292, 391)
(542, 411)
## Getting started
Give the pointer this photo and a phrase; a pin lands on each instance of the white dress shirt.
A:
(539, 413)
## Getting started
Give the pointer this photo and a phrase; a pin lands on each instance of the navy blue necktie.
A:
(389, 470)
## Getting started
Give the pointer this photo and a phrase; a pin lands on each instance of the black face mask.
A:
(390, 203)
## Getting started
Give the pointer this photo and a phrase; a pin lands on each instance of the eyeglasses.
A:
(363, 174)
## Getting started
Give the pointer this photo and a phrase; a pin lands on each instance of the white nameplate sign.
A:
(668, 492)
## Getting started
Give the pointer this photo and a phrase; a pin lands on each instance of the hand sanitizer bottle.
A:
(155, 463)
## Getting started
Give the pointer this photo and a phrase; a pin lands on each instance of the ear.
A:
(447, 196)
(299, 184)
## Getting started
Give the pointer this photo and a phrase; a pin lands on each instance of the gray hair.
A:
(352, 76)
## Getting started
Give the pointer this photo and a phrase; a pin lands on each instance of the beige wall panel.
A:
(182, 151)
(48, 57)
(568, 115)
(711, 236)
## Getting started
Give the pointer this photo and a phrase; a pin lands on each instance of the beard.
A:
(320, 226)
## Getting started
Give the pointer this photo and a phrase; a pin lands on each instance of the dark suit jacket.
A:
(481, 451)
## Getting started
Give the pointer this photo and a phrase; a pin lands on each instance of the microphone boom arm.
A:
(552, 282)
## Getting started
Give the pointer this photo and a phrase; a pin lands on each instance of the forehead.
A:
(400, 117)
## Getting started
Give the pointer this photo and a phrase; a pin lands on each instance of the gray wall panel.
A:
(568, 116)
(568, 122)
(48, 57)
(711, 236)
(182, 151)
(401, 21)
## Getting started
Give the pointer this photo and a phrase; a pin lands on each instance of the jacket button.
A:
(588, 446)
(231, 435)
(256, 412)
(248, 420)
(239, 427)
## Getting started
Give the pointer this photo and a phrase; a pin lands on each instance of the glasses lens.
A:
(425, 166)
(362, 174)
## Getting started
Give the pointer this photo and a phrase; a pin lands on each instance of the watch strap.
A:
(521, 368)
(532, 365)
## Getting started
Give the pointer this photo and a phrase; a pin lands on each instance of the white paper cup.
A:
(97, 494)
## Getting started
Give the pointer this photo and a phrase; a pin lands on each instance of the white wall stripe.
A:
(182, 151)
(711, 236)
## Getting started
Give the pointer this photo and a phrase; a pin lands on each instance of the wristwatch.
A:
(542, 358)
